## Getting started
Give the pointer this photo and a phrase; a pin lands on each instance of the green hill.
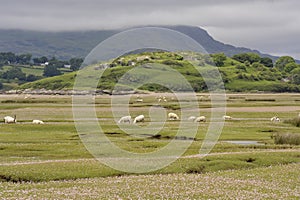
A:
(237, 76)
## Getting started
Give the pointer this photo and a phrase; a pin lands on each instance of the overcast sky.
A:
(271, 26)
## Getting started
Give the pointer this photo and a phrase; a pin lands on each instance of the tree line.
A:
(51, 66)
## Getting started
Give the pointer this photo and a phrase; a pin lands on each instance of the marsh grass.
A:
(287, 138)
(57, 140)
(276, 182)
(295, 121)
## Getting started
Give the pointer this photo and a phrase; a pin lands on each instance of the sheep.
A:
(275, 119)
(27, 96)
(227, 117)
(164, 99)
(10, 120)
(139, 100)
(191, 118)
(125, 119)
(200, 119)
(139, 118)
(36, 121)
(173, 116)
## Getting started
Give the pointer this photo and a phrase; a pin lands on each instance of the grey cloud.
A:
(267, 25)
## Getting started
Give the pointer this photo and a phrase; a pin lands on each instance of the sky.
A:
(270, 26)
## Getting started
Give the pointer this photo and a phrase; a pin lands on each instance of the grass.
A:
(272, 182)
(287, 138)
(50, 160)
(295, 121)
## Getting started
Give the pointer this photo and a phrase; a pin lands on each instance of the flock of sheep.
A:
(171, 116)
(141, 118)
(13, 120)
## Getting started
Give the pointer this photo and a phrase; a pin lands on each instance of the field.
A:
(50, 160)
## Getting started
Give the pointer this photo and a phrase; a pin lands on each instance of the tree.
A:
(31, 77)
(290, 66)
(268, 62)
(75, 63)
(23, 59)
(283, 61)
(219, 59)
(13, 73)
(40, 60)
(51, 70)
(7, 58)
(250, 57)
(1, 86)
(296, 76)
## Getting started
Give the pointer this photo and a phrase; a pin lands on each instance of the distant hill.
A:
(237, 76)
(65, 45)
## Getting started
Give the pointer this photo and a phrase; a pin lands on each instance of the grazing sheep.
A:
(200, 119)
(191, 118)
(36, 121)
(27, 96)
(173, 116)
(10, 120)
(227, 117)
(139, 118)
(125, 119)
(275, 119)
(164, 99)
(139, 100)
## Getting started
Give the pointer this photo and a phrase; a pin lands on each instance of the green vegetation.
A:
(277, 182)
(295, 121)
(293, 139)
(30, 152)
(50, 160)
(16, 70)
(243, 72)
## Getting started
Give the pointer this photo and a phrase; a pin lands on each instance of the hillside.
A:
(237, 76)
(65, 45)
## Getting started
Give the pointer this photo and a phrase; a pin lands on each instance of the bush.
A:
(294, 121)
(287, 138)
(200, 169)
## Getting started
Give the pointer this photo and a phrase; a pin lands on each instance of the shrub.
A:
(241, 66)
(294, 121)
(196, 169)
(287, 138)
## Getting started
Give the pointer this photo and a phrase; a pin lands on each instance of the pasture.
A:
(50, 159)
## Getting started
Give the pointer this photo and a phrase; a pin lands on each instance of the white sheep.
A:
(200, 119)
(191, 118)
(36, 121)
(164, 99)
(173, 116)
(275, 119)
(125, 119)
(139, 100)
(10, 120)
(139, 118)
(227, 117)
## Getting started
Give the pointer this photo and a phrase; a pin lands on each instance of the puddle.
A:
(244, 142)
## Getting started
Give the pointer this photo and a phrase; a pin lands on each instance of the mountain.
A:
(65, 45)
